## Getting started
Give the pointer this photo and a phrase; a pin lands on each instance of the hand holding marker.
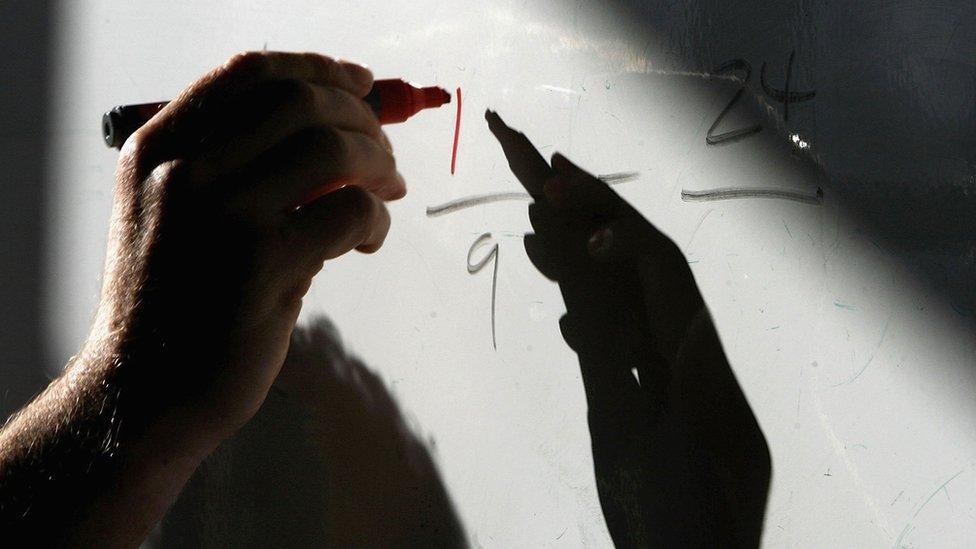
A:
(392, 100)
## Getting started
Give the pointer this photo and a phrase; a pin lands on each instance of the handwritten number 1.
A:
(474, 268)
(729, 66)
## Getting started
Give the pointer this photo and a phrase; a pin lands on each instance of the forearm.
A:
(87, 464)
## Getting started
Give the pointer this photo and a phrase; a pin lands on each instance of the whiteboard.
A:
(846, 322)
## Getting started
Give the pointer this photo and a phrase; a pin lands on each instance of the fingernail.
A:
(600, 242)
(360, 74)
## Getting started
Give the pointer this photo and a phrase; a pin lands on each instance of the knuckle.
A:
(300, 91)
(166, 178)
(328, 142)
(255, 62)
(372, 122)
(360, 112)
(336, 99)
(151, 199)
(362, 213)
(296, 94)
(361, 203)
(292, 296)
(367, 111)
(135, 162)
(325, 65)
(133, 152)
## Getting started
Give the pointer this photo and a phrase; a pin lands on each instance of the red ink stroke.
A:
(457, 132)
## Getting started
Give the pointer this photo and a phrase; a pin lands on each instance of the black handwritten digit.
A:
(729, 66)
(784, 96)
(474, 268)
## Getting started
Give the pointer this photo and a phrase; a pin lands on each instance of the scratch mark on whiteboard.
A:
(936, 491)
(840, 451)
(698, 226)
(909, 526)
(547, 87)
(884, 333)
(703, 75)
(896, 498)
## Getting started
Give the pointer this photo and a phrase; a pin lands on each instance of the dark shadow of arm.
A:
(679, 458)
(328, 461)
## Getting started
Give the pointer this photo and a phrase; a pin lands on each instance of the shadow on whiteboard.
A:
(678, 456)
(889, 116)
(327, 461)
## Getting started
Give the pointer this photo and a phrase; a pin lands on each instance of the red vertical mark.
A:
(457, 132)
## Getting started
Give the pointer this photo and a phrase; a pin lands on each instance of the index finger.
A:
(528, 166)
(194, 113)
(249, 68)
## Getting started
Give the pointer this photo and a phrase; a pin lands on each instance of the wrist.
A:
(673, 301)
(99, 457)
(141, 415)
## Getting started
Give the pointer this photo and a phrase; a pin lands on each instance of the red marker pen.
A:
(393, 101)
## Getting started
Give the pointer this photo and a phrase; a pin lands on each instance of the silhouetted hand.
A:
(585, 231)
(678, 457)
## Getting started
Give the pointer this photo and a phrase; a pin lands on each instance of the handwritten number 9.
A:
(475, 267)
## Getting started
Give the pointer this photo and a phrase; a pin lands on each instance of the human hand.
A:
(226, 204)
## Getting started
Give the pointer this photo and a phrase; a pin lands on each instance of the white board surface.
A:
(858, 366)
